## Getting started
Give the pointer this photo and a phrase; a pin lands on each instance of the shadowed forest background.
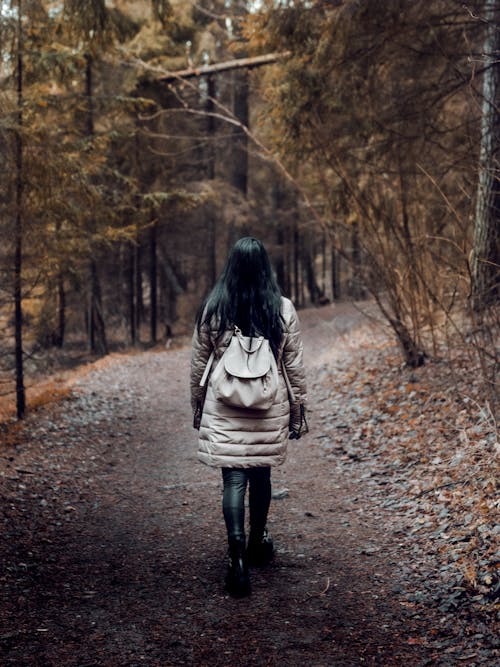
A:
(140, 139)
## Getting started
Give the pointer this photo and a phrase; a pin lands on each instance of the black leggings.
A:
(233, 500)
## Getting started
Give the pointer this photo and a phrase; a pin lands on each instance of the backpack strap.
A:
(206, 372)
(291, 395)
(207, 369)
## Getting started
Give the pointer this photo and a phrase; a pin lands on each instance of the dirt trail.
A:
(113, 545)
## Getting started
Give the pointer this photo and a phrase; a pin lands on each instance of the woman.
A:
(244, 442)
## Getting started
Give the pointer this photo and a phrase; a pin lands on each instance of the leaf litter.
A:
(428, 447)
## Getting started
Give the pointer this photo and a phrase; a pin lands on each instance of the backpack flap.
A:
(246, 375)
(243, 359)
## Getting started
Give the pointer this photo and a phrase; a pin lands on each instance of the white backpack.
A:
(246, 376)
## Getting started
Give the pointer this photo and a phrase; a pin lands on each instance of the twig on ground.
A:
(325, 590)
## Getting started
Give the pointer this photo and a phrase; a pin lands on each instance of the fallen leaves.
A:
(433, 456)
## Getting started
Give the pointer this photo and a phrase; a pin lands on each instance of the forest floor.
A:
(113, 547)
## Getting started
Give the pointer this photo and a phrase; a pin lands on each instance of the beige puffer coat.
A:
(239, 438)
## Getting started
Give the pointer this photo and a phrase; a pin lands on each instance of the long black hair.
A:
(246, 295)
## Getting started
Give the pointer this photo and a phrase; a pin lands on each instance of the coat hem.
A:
(247, 462)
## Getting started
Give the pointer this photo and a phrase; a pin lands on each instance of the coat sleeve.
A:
(294, 366)
(201, 349)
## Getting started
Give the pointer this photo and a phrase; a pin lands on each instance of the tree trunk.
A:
(276, 204)
(358, 291)
(211, 127)
(323, 265)
(211, 248)
(58, 335)
(18, 252)
(97, 333)
(335, 271)
(414, 356)
(296, 265)
(139, 300)
(280, 259)
(153, 283)
(287, 264)
(409, 249)
(96, 328)
(131, 303)
(485, 267)
(240, 161)
(172, 287)
(61, 311)
(310, 273)
(211, 157)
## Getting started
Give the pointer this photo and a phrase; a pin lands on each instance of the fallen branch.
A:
(238, 63)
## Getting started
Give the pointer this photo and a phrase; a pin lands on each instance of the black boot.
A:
(260, 550)
(237, 579)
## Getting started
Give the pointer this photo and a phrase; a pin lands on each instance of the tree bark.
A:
(409, 248)
(18, 252)
(59, 332)
(323, 264)
(96, 328)
(276, 204)
(139, 300)
(173, 286)
(132, 319)
(280, 259)
(308, 254)
(296, 264)
(211, 163)
(240, 147)
(312, 285)
(335, 271)
(485, 267)
(153, 283)
(358, 291)
(61, 311)
(414, 356)
(211, 127)
(97, 332)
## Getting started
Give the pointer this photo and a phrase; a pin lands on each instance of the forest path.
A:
(113, 550)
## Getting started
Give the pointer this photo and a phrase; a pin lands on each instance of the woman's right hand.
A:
(298, 424)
